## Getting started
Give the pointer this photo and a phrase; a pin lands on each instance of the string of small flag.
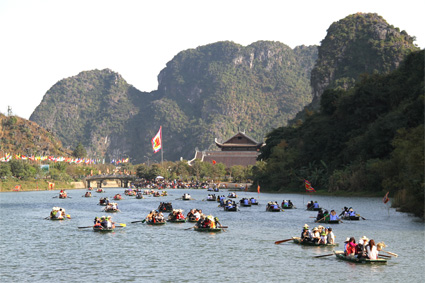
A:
(8, 157)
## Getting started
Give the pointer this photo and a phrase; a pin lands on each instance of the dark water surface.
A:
(37, 250)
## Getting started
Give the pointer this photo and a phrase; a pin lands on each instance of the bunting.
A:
(386, 198)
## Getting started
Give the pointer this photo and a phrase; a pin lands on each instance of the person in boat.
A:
(372, 250)
(351, 248)
(323, 239)
(333, 216)
(108, 222)
(316, 235)
(316, 204)
(285, 203)
(320, 215)
(351, 212)
(290, 204)
(306, 234)
(361, 247)
(104, 222)
(55, 213)
(346, 245)
(97, 222)
(150, 216)
(343, 213)
(330, 237)
(253, 200)
(310, 204)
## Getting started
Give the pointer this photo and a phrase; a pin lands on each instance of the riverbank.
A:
(43, 185)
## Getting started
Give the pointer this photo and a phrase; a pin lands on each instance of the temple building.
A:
(238, 150)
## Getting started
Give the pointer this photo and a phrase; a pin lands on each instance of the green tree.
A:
(79, 151)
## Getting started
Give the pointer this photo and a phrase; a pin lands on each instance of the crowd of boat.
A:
(365, 251)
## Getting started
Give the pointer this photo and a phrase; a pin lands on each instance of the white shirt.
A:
(373, 254)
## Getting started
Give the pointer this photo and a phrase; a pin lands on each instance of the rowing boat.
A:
(155, 223)
(311, 208)
(297, 240)
(328, 221)
(54, 218)
(341, 255)
(350, 218)
(211, 230)
(102, 229)
(177, 220)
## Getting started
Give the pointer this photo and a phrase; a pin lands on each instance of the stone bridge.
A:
(124, 179)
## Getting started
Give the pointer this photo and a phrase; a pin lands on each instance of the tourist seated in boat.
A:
(57, 213)
(372, 250)
(104, 221)
(323, 239)
(62, 194)
(330, 237)
(290, 204)
(316, 204)
(285, 203)
(252, 200)
(315, 235)
(306, 234)
(361, 247)
(351, 212)
(310, 204)
(320, 215)
(246, 201)
(346, 245)
(176, 214)
(88, 194)
(333, 216)
(344, 212)
(351, 248)
(207, 222)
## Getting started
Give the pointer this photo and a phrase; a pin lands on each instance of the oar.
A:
(121, 224)
(385, 255)
(283, 241)
(68, 216)
(55, 197)
(361, 217)
(396, 255)
(317, 256)
(223, 226)
(320, 219)
(85, 227)
(190, 228)
(143, 221)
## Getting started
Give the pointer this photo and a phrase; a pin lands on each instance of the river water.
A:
(37, 250)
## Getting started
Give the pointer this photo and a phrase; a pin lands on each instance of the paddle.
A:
(384, 256)
(320, 219)
(223, 226)
(361, 216)
(68, 216)
(283, 241)
(143, 221)
(317, 256)
(85, 227)
(55, 197)
(190, 228)
(396, 255)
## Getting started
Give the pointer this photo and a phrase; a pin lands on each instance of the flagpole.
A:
(162, 149)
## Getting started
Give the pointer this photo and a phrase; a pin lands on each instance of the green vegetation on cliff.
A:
(367, 138)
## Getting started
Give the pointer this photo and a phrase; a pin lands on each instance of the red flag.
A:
(258, 189)
(214, 162)
(386, 198)
(308, 187)
(157, 141)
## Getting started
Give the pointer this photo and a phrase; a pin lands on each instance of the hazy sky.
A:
(43, 42)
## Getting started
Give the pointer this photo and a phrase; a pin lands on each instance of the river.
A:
(37, 250)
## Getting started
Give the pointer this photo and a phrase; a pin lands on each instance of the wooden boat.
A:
(355, 218)
(192, 219)
(232, 195)
(297, 240)
(328, 221)
(210, 230)
(177, 220)
(63, 196)
(245, 202)
(253, 201)
(271, 208)
(231, 208)
(54, 218)
(165, 207)
(102, 229)
(155, 223)
(341, 255)
(103, 201)
(112, 210)
(186, 197)
(311, 208)
(211, 199)
(139, 196)
(117, 197)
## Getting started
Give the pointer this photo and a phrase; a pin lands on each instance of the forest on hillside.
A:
(367, 138)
